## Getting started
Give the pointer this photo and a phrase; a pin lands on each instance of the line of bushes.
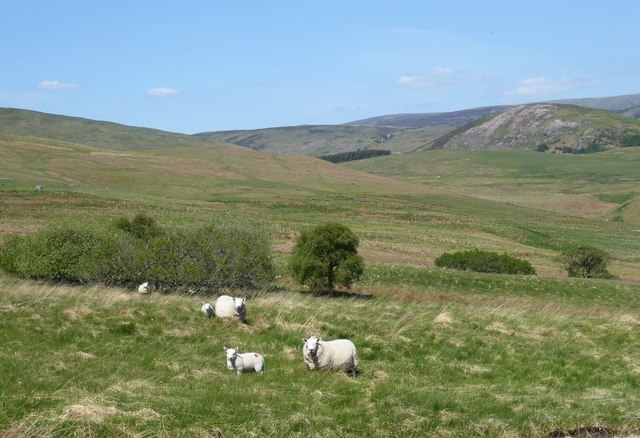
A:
(360, 154)
(130, 252)
(485, 261)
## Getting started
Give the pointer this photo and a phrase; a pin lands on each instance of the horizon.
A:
(198, 67)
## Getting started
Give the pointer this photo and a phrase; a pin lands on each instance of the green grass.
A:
(447, 358)
(582, 185)
(444, 353)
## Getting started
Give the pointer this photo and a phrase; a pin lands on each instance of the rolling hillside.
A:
(453, 118)
(88, 132)
(601, 186)
(609, 103)
(530, 126)
(318, 140)
(442, 352)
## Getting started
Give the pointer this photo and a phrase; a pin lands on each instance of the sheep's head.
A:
(312, 344)
(239, 302)
(231, 353)
(207, 308)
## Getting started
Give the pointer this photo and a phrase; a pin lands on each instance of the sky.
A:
(195, 66)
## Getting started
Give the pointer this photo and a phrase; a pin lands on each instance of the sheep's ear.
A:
(243, 300)
(225, 349)
(305, 340)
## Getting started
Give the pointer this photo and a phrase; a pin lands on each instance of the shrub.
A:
(325, 256)
(141, 226)
(61, 252)
(630, 140)
(207, 257)
(542, 147)
(586, 262)
(485, 261)
(213, 256)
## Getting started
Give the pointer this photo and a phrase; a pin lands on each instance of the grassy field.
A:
(598, 186)
(443, 353)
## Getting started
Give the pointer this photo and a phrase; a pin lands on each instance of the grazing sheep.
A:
(207, 309)
(143, 288)
(229, 307)
(244, 362)
(339, 354)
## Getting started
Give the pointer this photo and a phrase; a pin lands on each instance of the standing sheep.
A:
(229, 307)
(339, 354)
(207, 309)
(143, 288)
(244, 362)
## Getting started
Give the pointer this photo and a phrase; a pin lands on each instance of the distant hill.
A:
(89, 132)
(557, 127)
(318, 140)
(463, 117)
(418, 120)
(612, 103)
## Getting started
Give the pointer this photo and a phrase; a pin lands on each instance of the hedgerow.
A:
(209, 256)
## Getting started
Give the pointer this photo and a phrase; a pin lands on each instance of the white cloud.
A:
(544, 86)
(161, 92)
(437, 77)
(57, 85)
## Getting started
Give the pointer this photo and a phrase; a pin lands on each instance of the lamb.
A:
(339, 354)
(229, 307)
(143, 288)
(244, 362)
(207, 309)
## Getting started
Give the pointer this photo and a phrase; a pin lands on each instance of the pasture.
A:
(443, 353)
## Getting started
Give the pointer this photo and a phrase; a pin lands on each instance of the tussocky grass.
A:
(438, 358)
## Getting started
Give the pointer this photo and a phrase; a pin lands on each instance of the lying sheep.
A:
(244, 362)
(143, 288)
(339, 354)
(207, 309)
(229, 307)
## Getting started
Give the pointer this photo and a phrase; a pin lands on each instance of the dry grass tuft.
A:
(90, 412)
(499, 328)
(147, 414)
(85, 356)
(76, 313)
(444, 319)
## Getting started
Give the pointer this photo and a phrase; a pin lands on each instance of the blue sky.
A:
(194, 66)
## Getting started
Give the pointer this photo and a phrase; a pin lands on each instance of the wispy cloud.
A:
(437, 77)
(162, 91)
(57, 85)
(541, 86)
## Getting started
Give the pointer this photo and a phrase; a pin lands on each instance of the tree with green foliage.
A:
(586, 262)
(326, 256)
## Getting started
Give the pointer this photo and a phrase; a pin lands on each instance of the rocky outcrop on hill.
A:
(558, 127)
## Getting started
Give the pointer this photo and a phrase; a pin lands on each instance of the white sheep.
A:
(143, 288)
(207, 309)
(339, 354)
(229, 307)
(244, 362)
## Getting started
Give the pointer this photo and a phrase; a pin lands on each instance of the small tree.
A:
(325, 256)
(586, 262)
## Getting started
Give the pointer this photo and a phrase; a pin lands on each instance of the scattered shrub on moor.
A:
(586, 262)
(485, 261)
(325, 256)
(212, 256)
